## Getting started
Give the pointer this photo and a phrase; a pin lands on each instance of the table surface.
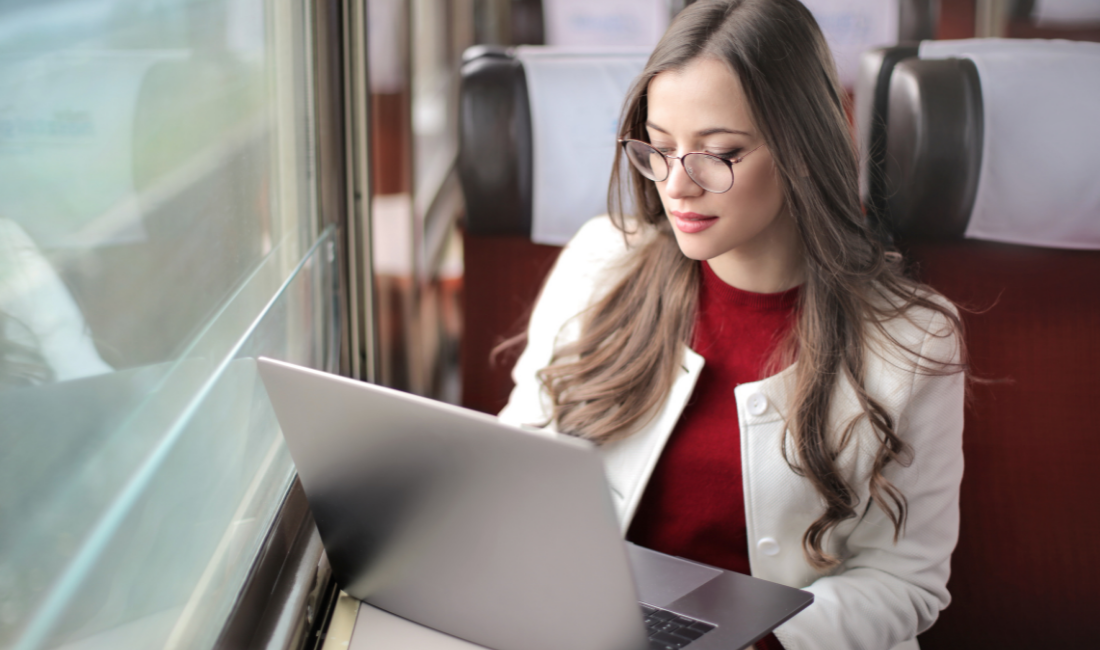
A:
(358, 626)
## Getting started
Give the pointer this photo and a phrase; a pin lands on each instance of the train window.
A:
(157, 233)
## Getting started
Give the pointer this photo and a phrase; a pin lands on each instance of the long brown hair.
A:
(615, 377)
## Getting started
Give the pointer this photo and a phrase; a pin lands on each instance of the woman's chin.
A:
(694, 249)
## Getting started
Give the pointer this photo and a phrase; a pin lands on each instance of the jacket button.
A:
(768, 546)
(758, 404)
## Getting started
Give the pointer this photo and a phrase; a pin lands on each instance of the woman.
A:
(771, 394)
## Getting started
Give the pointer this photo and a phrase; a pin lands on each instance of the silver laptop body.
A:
(490, 533)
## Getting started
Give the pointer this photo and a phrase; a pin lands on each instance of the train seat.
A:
(978, 161)
(537, 132)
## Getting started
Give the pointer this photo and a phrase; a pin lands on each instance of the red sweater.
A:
(694, 504)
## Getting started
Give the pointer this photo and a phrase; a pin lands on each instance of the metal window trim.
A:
(289, 592)
(360, 287)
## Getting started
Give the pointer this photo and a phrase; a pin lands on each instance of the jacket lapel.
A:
(630, 461)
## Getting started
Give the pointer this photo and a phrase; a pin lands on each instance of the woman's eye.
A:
(726, 155)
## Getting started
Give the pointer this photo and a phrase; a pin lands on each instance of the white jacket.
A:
(883, 594)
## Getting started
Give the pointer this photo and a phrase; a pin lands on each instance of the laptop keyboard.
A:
(670, 631)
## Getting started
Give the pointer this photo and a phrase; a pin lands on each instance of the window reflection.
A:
(157, 232)
(43, 337)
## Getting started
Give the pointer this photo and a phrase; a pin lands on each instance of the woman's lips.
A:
(690, 222)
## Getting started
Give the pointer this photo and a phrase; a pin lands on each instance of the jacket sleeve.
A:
(583, 272)
(885, 594)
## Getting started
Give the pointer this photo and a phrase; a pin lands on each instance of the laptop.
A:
(494, 534)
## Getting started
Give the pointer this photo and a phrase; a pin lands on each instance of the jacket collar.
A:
(629, 462)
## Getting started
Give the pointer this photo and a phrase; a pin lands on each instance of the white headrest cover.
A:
(1065, 13)
(575, 97)
(1039, 183)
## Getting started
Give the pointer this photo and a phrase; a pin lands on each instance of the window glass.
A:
(157, 233)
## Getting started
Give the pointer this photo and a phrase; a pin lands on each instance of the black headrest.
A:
(872, 94)
(494, 154)
(920, 131)
(933, 147)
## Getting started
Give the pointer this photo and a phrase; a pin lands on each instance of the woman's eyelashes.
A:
(724, 154)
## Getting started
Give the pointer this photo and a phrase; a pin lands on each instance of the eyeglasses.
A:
(710, 172)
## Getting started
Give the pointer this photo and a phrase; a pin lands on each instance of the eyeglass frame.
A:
(729, 163)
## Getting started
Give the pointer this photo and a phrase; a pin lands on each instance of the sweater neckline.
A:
(730, 296)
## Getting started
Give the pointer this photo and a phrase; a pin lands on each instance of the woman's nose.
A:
(679, 184)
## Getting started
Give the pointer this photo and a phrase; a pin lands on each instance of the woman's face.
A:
(702, 108)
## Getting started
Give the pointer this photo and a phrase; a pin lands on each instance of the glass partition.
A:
(157, 233)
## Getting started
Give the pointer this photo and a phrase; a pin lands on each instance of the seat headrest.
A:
(538, 128)
(1040, 147)
(871, 98)
(1065, 13)
(494, 134)
(1024, 49)
(933, 147)
(984, 138)
(575, 98)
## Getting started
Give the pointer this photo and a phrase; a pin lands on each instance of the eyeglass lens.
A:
(709, 172)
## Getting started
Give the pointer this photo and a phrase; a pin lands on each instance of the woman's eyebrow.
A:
(704, 132)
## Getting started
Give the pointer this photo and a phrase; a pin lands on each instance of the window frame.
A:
(288, 596)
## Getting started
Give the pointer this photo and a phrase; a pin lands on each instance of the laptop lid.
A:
(454, 520)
